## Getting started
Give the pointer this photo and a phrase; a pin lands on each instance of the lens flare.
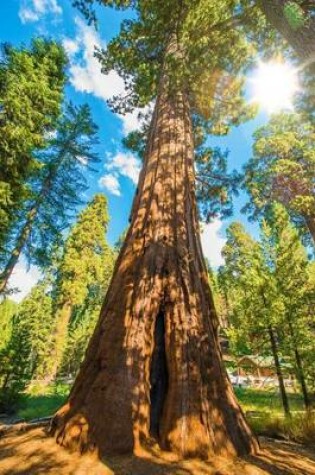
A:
(274, 85)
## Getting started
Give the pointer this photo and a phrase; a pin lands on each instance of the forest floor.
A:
(33, 452)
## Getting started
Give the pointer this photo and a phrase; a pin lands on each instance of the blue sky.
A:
(118, 170)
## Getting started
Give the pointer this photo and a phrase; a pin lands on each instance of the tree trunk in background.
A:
(299, 366)
(274, 349)
(300, 38)
(153, 367)
(59, 339)
(15, 255)
(310, 222)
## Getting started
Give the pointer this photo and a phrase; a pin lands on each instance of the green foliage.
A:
(295, 15)
(56, 190)
(268, 284)
(82, 263)
(31, 90)
(82, 279)
(25, 352)
(283, 167)
(215, 185)
(7, 310)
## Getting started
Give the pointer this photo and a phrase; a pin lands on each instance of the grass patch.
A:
(42, 400)
(266, 400)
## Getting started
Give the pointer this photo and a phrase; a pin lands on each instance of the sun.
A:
(274, 85)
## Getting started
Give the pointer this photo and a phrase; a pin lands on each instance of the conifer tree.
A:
(81, 271)
(54, 192)
(291, 272)
(31, 91)
(24, 355)
(253, 293)
(158, 321)
(282, 169)
(7, 310)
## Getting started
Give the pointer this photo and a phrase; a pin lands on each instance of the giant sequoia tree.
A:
(153, 367)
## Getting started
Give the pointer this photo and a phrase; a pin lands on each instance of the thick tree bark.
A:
(274, 349)
(302, 38)
(153, 366)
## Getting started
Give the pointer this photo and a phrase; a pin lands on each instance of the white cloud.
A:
(23, 279)
(212, 242)
(71, 46)
(86, 75)
(125, 164)
(34, 10)
(110, 183)
(121, 164)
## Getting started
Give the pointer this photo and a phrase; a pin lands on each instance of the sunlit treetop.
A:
(282, 168)
(213, 53)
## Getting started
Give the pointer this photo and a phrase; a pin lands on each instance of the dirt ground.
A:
(32, 452)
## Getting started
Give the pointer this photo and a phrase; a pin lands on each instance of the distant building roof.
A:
(257, 360)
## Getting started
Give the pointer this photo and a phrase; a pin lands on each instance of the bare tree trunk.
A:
(299, 366)
(153, 367)
(274, 349)
(21, 240)
(59, 340)
(301, 38)
(310, 222)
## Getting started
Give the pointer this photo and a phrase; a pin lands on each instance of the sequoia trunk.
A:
(153, 367)
(300, 37)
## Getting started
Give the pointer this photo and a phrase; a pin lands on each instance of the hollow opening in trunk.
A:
(158, 376)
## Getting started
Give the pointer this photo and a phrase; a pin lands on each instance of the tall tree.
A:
(54, 192)
(282, 169)
(25, 352)
(153, 367)
(31, 91)
(81, 270)
(293, 283)
(252, 288)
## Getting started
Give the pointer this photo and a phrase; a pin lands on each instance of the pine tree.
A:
(291, 271)
(7, 310)
(158, 321)
(84, 317)
(81, 271)
(283, 169)
(24, 354)
(31, 91)
(54, 192)
(256, 302)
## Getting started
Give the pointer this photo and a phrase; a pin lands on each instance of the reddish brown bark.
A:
(160, 273)
(300, 38)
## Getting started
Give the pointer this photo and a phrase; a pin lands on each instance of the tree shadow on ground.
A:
(32, 453)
